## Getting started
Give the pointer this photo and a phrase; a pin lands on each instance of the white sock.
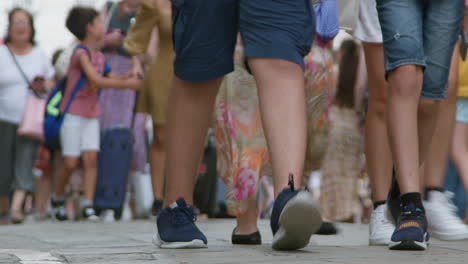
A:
(174, 205)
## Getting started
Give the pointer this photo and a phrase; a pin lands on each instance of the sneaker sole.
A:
(379, 242)
(196, 243)
(448, 237)
(299, 220)
(409, 244)
(92, 218)
(56, 219)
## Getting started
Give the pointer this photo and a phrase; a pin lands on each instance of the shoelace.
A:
(291, 182)
(183, 215)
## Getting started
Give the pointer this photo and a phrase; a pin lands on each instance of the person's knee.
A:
(405, 79)
(428, 107)
(90, 160)
(71, 164)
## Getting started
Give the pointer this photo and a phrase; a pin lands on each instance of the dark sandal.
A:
(251, 239)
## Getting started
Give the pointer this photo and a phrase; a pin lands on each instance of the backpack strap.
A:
(81, 82)
(111, 9)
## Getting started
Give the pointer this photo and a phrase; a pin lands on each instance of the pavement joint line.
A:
(32, 256)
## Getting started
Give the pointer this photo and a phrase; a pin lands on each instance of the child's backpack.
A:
(53, 118)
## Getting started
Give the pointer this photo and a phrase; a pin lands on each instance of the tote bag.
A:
(33, 116)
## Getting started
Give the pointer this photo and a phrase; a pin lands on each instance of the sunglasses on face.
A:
(20, 22)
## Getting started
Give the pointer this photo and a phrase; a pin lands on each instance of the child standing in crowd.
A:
(342, 162)
(45, 165)
(80, 134)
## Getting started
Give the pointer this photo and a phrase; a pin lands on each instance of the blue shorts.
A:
(205, 33)
(423, 33)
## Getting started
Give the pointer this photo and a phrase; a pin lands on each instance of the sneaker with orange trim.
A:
(411, 230)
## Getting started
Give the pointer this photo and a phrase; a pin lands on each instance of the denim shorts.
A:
(422, 33)
(205, 33)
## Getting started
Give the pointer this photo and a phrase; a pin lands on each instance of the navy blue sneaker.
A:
(295, 217)
(411, 230)
(177, 229)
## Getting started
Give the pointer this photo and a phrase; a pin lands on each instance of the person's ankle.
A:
(173, 202)
(86, 203)
(244, 230)
(412, 198)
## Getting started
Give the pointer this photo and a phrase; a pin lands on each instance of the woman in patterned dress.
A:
(243, 156)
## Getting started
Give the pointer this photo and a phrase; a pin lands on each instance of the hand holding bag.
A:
(31, 125)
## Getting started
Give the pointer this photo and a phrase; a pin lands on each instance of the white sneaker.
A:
(381, 227)
(442, 217)
(108, 216)
(90, 215)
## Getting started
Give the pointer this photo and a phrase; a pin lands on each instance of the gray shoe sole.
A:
(299, 220)
(196, 243)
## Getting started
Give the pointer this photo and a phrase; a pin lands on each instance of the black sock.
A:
(428, 189)
(412, 198)
(379, 203)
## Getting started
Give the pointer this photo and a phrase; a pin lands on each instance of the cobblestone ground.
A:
(130, 243)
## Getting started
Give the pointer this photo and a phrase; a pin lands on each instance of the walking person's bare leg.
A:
(157, 162)
(436, 161)
(377, 148)
(283, 108)
(405, 85)
(442, 217)
(378, 155)
(189, 116)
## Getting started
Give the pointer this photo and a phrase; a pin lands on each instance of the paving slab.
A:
(130, 243)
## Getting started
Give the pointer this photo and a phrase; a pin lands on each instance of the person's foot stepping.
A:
(295, 217)
(177, 229)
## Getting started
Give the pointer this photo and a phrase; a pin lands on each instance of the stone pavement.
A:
(130, 243)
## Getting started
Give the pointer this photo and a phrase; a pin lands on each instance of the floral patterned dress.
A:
(240, 141)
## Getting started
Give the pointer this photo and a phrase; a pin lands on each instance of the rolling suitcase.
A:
(114, 160)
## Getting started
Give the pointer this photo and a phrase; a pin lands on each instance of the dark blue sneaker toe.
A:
(177, 229)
